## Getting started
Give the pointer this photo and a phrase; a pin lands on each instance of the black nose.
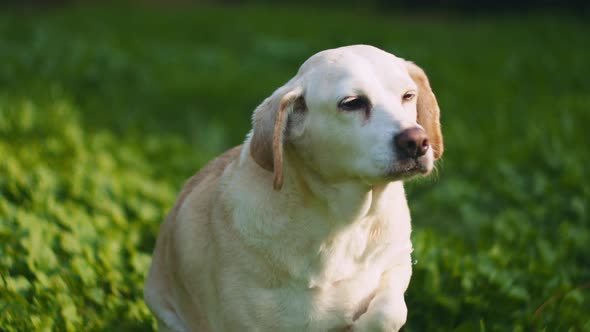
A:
(412, 143)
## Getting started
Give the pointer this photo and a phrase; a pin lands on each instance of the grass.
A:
(104, 113)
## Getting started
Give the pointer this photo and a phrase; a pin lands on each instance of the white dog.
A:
(305, 227)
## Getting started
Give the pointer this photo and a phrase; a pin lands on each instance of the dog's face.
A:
(355, 112)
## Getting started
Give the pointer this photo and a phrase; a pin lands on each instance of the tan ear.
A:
(428, 111)
(270, 123)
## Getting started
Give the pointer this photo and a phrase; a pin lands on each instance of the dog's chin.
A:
(407, 168)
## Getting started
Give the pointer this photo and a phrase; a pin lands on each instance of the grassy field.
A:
(104, 113)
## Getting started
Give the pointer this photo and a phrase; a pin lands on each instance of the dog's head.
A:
(354, 112)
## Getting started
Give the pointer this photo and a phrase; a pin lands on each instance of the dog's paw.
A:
(382, 321)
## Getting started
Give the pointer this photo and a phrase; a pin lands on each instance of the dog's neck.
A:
(344, 199)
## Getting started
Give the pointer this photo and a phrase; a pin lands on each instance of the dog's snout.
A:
(412, 143)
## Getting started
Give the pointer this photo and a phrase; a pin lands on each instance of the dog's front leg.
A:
(387, 310)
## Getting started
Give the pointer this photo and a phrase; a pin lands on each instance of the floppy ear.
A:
(270, 123)
(428, 111)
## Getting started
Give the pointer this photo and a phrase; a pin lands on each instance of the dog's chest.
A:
(349, 255)
(307, 267)
(316, 304)
(329, 296)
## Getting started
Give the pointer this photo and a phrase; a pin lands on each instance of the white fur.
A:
(331, 249)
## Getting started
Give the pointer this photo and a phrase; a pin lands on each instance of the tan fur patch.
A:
(428, 111)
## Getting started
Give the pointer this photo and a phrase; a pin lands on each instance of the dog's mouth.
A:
(410, 167)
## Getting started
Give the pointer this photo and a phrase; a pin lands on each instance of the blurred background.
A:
(106, 108)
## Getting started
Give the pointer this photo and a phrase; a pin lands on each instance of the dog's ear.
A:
(270, 122)
(428, 111)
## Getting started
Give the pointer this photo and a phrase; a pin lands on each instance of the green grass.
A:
(105, 112)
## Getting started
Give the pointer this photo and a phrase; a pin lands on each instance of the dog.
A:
(304, 227)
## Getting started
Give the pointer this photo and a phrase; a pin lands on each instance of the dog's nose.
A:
(412, 143)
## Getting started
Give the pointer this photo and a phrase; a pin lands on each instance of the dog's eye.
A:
(354, 103)
(408, 96)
